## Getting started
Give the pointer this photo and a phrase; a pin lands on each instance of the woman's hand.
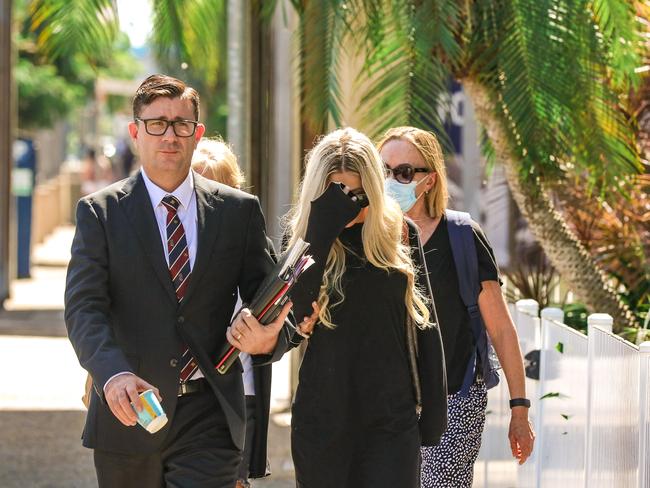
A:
(330, 213)
(521, 434)
(306, 327)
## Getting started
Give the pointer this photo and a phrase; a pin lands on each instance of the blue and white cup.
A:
(152, 417)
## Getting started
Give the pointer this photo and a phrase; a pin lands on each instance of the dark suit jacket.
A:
(122, 313)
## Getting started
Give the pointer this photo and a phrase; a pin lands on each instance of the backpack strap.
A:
(463, 249)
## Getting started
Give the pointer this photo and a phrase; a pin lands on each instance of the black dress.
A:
(354, 421)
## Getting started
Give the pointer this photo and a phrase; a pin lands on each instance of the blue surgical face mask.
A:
(403, 193)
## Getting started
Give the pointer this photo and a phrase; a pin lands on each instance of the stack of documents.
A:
(272, 294)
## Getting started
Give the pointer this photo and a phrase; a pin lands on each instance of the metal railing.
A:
(590, 408)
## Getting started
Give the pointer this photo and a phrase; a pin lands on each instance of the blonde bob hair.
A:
(214, 159)
(435, 201)
(347, 150)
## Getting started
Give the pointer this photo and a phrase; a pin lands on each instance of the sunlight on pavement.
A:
(45, 374)
(55, 250)
(43, 291)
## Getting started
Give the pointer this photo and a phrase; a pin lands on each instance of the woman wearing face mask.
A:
(416, 178)
(355, 421)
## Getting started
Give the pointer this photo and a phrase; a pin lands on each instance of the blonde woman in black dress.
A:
(354, 415)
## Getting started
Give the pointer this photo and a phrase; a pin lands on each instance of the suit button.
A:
(173, 362)
(181, 320)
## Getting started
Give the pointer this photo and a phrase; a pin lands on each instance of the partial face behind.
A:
(167, 156)
(408, 178)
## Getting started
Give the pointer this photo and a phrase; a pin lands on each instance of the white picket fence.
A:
(590, 409)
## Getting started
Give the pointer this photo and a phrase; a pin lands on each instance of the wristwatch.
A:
(520, 402)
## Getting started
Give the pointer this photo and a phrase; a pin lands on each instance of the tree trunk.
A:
(564, 250)
(6, 125)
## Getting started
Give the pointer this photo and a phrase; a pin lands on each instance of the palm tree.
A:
(548, 80)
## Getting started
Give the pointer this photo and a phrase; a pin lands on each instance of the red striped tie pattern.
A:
(179, 270)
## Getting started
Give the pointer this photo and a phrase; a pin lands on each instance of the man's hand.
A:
(521, 434)
(121, 391)
(248, 335)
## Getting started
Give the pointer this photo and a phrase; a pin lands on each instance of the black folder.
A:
(271, 296)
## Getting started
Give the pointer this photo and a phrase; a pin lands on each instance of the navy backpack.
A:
(463, 249)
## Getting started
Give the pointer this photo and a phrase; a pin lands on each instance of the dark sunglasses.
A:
(357, 195)
(404, 173)
(360, 197)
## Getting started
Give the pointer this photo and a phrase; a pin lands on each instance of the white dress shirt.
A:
(186, 213)
(246, 361)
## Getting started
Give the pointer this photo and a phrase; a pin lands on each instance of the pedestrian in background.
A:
(355, 414)
(416, 178)
(216, 161)
(96, 172)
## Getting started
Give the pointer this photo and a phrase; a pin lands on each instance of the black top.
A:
(452, 314)
(359, 370)
(366, 353)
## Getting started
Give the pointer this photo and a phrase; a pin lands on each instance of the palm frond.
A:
(169, 36)
(322, 31)
(620, 31)
(205, 22)
(488, 152)
(65, 27)
(409, 72)
(546, 66)
(191, 35)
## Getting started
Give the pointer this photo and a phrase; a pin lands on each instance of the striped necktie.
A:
(179, 270)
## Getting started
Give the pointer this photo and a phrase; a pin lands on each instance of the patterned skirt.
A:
(450, 464)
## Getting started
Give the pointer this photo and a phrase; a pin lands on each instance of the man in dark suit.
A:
(156, 263)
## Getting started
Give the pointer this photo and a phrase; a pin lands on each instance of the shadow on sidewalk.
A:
(40, 433)
(43, 449)
(43, 323)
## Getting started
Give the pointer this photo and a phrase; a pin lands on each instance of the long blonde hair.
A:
(214, 159)
(435, 201)
(347, 150)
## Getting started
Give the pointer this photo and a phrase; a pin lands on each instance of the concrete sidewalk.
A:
(41, 414)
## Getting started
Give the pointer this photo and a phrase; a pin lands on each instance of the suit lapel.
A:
(209, 207)
(137, 207)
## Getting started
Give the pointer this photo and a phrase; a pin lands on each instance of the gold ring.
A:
(239, 336)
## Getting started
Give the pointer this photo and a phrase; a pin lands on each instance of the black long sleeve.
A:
(328, 216)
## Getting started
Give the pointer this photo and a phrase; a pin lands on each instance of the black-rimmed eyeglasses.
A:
(157, 127)
(404, 173)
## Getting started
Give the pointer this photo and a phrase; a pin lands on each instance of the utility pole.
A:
(239, 82)
(6, 138)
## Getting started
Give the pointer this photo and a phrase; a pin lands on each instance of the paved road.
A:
(41, 414)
